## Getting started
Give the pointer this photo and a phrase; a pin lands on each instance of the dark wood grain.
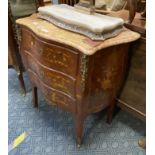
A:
(132, 4)
(41, 2)
(69, 2)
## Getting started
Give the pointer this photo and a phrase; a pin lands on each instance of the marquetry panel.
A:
(108, 77)
(51, 77)
(52, 56)
(54, 97)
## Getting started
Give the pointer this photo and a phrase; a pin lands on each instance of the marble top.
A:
(46, 30)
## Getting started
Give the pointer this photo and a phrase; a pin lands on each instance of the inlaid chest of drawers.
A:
(77, 74)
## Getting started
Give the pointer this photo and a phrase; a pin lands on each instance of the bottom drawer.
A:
(53, 96)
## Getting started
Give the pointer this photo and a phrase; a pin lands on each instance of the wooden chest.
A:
(78, 75)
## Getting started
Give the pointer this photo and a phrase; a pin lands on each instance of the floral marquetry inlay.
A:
(57, 57)
(54, 97)
(109, 77)
(57, 81)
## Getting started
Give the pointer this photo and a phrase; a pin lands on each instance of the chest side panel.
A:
(107, 76)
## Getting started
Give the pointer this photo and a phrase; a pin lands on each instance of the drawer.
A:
(60, 100)
(51, 77)
(53, 96)
(28, 40)
(52, 56)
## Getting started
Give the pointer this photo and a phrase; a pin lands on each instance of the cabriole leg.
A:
(21, 80)
(110, 111)
(35, 97)
(79, 124)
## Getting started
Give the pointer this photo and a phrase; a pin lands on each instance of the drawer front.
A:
(59, 99)
(53, 96)
(51, 55)
(27, 40)
(51, 77)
